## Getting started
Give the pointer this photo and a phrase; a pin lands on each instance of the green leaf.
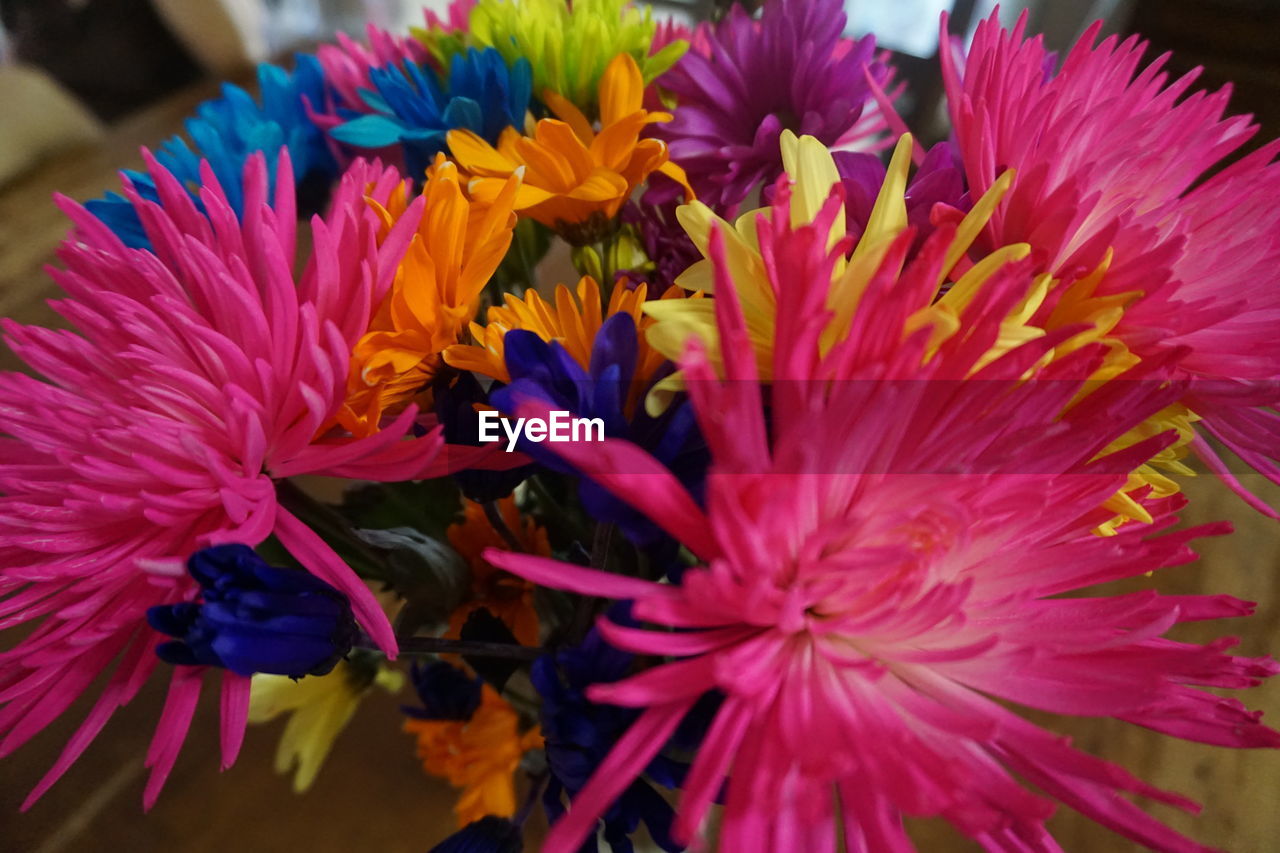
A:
(431, 576)
(429, 506)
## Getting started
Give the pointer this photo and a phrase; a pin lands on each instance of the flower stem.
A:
(332, 526)
(553, 514)
(585, 611)
(600, 546)
(607, 258)
(443, 646)
(499, 524)
(537, 781)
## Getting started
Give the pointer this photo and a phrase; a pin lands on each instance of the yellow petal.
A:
(964, 290)
(974, 221)
(889, 215)
(696, 218)
(663, 392)
(813, 171)
(700, 275)
(677, 321)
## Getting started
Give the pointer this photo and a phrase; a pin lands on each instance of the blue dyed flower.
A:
(579, 734)
(226, 131)
(254, 617)
(414, 108)
(487, 835)
(446, 692)
(546, 371)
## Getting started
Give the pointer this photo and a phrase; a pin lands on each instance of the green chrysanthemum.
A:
(568, 48)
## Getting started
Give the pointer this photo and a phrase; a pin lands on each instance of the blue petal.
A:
(371, 131)
(487, 835)
(464, 113)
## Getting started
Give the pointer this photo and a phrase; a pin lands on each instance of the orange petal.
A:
(560, 138)
(621, 89)
(604, 185)
(613, 145)
(675, 171)
(566, 111)
(477, 156)
(545, 167)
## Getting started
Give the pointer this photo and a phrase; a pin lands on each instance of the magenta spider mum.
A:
(196, 375)
(886, 533)
(1194, 262)
(747, 80)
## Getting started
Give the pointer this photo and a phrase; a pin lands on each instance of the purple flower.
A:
(789, 69)
(939, 180)
(664, 240)
(579, 734)
(546, 372)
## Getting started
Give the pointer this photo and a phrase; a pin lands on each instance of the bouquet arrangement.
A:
(777, 506)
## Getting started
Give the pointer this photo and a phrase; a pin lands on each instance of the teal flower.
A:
(415, 109)
(225, 131)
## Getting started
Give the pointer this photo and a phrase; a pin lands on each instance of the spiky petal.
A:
(1193, 265)
(791, 70)
(196, 374)
(883, 546)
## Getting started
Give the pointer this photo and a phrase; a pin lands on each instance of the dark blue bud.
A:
(486, 835)
(253, 617)
(446, 692)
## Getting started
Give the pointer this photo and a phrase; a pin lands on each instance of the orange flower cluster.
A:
(503, 594)
(479, 755)
(574, 323)
(458, 246)
(574, 179)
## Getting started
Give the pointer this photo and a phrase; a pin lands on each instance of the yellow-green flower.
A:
(569, 48)
(320, 706)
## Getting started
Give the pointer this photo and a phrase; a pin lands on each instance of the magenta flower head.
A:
(887, 534)
(791, 69)
(195, 375)
(1110, 159)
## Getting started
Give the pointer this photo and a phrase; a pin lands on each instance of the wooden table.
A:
(372, 796)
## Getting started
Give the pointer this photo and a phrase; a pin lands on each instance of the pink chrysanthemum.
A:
(196, 376)
(1108, 155)
(883, 546)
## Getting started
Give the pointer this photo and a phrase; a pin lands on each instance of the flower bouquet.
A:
(705, 452)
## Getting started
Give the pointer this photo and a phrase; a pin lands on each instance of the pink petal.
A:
(318, 558)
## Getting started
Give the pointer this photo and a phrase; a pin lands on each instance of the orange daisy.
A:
(574, 323)
(479, 755)
(573, 178)
(458, 246)
(501, 593)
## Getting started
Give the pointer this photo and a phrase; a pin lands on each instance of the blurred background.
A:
(84, 83)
